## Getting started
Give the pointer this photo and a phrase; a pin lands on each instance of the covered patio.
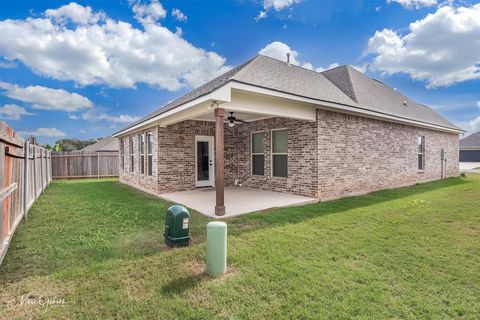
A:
(237, 200)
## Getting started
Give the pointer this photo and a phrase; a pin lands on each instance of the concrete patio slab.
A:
(237, 200)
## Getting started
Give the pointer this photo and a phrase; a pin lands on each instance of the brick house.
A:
(270, 125)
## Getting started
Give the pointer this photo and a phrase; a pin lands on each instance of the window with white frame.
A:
(122, 153)
(421, 152)
(132, 156)
(280, 153)
(141, 143)
(258, 153)
(149, 153)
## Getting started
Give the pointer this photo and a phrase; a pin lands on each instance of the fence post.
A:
(98, 165)
(48, 171)
(49, 166)
(25, 180)
(41, 170)
(34, 172)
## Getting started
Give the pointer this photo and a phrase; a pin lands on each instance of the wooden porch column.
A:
(219, 162)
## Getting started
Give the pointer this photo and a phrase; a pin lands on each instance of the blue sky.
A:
(86, 69)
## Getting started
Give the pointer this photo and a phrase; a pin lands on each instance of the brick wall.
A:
(338, 155)
(136, 179)
(302, 157)
(359, 155)
(177, 154)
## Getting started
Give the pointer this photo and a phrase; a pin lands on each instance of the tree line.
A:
(69, 144)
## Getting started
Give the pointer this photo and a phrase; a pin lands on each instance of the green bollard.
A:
(216, 248)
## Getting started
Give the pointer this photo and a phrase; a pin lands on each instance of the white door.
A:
(204, 161)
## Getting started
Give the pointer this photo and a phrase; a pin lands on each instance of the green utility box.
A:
(177, 232)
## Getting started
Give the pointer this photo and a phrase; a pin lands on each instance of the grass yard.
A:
(407, 253)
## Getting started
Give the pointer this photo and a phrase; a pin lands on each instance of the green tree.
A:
(74, 144)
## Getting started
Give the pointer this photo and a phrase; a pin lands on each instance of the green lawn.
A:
(406, 253)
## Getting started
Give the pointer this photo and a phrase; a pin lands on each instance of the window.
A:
(279, 153)
(258, 153)
(421, 153)
(132, 158)
(141, 143)
(149, 153)
(122, 153)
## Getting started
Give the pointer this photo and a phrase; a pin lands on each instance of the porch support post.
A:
(219, 162)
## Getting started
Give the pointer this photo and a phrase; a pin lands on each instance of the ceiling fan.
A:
(232, 120)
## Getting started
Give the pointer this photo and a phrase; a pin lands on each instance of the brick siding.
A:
(358, 155)
(336, 156)
(135, 179)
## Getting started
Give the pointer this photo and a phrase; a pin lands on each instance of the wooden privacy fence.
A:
(71, 165)
(25, 171)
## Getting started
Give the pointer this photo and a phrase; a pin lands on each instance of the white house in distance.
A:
(278, 128)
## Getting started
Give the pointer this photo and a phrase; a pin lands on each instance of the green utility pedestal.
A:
(177, 232)
(216, 248)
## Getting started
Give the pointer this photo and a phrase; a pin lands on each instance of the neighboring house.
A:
(470, 148)
(108, 144)
(324, 135)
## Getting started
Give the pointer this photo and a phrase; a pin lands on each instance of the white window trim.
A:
(257, 154)
(132, 154)
(122, 153)
(277, 153)
(147, 153)
(141, 137)
(421, 153)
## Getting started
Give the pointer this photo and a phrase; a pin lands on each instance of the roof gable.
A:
(376, 96)
(278, 75)
(471, 142)
(103, 145)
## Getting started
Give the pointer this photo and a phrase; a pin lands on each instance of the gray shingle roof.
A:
(108, 144)
(471, 142)
(343, 85)
(376, 96)
(277, 75)
(204, 89)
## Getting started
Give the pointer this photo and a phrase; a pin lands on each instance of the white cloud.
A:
(279, 4)
(123, 118)
(74, 13)
(46, 98)
(7, 65)
(331, 66)
(179, 15)
(108, 52)
(478, 104)
(149, 13)
(362, 68)
(278, 50)
(13, 112)
(442, 49)
(276, 5)
(471, 126)
(415, 4)
(261, 15)
(95, 115)
(44, 132)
